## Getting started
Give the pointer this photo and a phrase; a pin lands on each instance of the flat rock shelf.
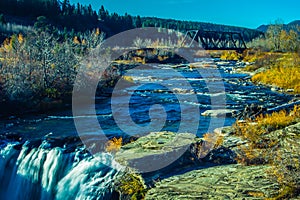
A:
(221, 182)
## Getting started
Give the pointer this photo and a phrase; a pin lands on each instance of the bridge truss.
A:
(214, 40)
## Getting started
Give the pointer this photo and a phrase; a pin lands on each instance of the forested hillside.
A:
(64, 15)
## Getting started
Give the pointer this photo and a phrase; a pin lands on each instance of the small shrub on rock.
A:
(113, 145)
(131, 186)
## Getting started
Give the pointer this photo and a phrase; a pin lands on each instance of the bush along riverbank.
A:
(281, 71)
(274, 140)
(37, 70)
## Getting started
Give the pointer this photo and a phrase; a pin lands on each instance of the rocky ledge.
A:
(220, 182)
(157, 150)
(214, 176)
(232, 181)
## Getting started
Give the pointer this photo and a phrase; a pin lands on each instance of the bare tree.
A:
(273, 34)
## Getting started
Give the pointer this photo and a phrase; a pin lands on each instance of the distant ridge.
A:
(290, 26)
(293, 23)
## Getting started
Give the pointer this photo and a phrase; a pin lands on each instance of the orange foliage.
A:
(216, 139)
(113, 145)
(97, 31)
(20, 38)
(75, 40)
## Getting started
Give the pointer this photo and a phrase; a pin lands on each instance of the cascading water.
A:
(52, 173)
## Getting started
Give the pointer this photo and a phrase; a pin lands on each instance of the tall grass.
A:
(285, 73)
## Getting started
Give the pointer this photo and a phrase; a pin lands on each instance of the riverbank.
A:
(44, 106)
(214, 175)
(268, 171)
(279, 71)
(53, 99)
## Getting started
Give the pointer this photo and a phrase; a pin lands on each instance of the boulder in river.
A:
(218, 113)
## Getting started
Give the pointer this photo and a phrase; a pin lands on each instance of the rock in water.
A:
(218, 113)
(250, 112)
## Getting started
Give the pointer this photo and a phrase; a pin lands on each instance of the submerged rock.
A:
(203, 65)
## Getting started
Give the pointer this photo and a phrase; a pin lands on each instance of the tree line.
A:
(60, 14)
(63, 14)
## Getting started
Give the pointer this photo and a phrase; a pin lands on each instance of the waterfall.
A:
(89, 179)
(45, 173)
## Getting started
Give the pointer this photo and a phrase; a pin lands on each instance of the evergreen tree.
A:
(103, 14)
(138, 22)
(65, 6)
(2, 19)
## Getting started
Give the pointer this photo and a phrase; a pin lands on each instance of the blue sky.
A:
(249, 14)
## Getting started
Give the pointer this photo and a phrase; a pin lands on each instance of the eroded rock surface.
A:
(221, 182)
(156, 150)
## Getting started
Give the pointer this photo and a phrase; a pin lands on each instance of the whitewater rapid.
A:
(45, 173)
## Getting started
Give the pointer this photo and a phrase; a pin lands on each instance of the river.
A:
(41, 156)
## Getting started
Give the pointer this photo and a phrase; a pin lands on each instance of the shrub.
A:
(132, 186)
(254, 130)
(113, 145)
(283, 72)
(215, 139)
(230, 55)
(286, 170)
(266, 59)
(52, 93)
